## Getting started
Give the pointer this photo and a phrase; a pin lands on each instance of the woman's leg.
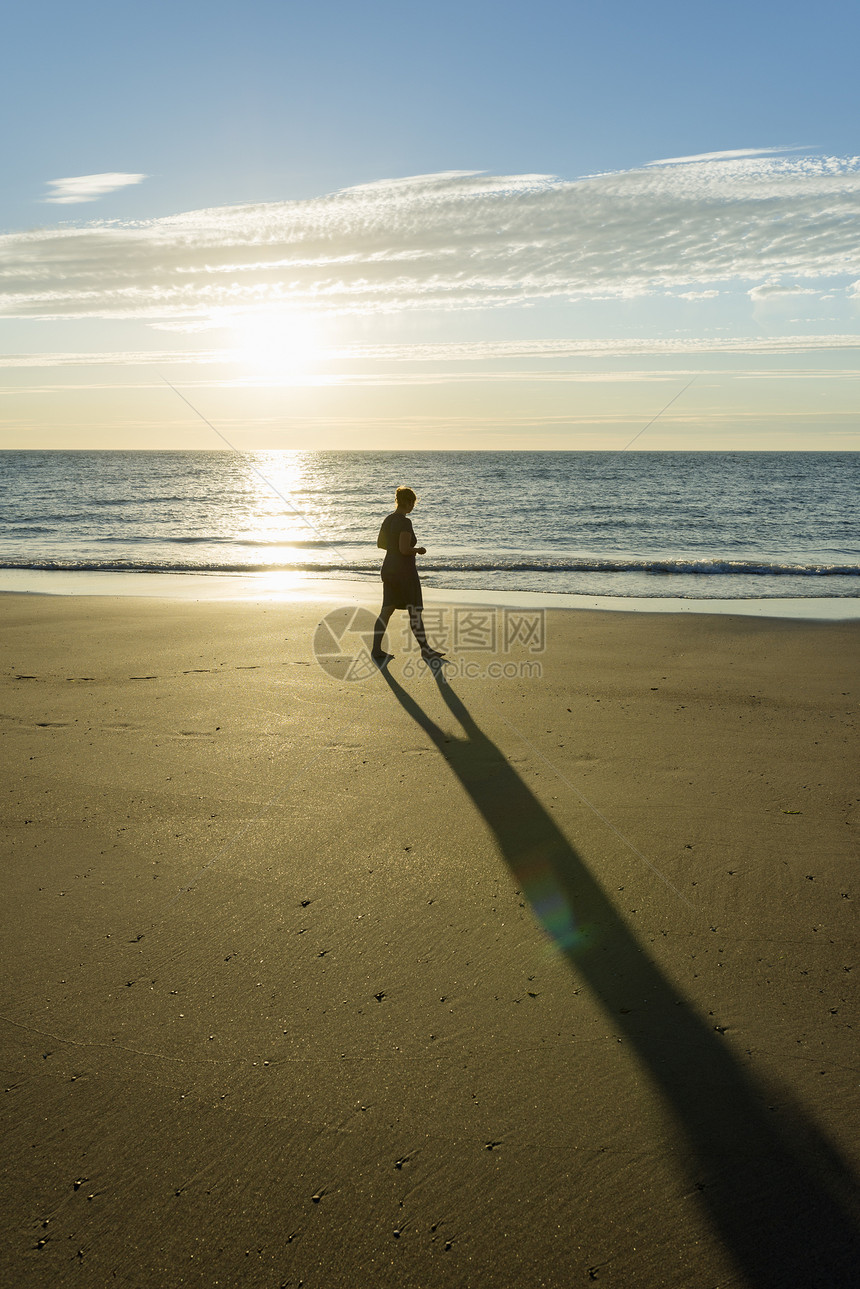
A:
(379, 631)
(416, 622)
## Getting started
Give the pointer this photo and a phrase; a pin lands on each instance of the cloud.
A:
(634, 347)
(114, 358)
(720, 156)
(460, 352)
(453, 240)
(80, 188)
(769, 290)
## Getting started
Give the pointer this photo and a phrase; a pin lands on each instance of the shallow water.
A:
(639, 524)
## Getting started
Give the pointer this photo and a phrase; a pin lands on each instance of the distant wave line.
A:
(669, 567)
(287, 543)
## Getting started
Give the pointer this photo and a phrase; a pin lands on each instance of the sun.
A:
(276, 346)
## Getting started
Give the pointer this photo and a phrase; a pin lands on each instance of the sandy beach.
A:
(521, 981)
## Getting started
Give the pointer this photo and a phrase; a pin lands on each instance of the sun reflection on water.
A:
(274, 515)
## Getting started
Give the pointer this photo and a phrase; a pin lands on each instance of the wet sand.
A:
(528, 981)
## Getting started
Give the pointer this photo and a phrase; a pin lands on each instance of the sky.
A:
(466, 225)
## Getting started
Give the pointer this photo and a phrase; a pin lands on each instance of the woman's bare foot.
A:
(432, 655)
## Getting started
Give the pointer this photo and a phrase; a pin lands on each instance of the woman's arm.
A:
(407, 541)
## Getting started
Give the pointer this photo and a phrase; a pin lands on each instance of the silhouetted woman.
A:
(401, 585)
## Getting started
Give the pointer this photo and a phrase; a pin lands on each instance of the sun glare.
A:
(280, 347)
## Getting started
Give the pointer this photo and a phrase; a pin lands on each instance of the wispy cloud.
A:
(79, 188)
(633, 347)
(116, 358)
(721, 156)
(766, 290)
(456, 240)
(476, 351)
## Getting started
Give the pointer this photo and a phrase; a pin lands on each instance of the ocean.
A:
(696, 525)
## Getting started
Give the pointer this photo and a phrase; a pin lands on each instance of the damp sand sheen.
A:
(526, 981)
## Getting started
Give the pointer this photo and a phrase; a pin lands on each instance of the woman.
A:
(401, 585)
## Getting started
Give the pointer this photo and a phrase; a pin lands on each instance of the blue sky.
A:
(502, 201)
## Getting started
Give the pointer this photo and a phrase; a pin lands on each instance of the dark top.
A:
(400, 582)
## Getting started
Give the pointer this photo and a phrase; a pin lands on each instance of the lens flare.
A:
(550, 904)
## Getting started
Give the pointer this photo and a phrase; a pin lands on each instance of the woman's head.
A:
(405, 498)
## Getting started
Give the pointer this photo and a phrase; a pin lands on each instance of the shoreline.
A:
(293, 587)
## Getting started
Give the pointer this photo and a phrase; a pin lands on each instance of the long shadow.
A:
(779, 1195)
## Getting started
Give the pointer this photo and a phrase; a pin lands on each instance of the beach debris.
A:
(379, 997)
